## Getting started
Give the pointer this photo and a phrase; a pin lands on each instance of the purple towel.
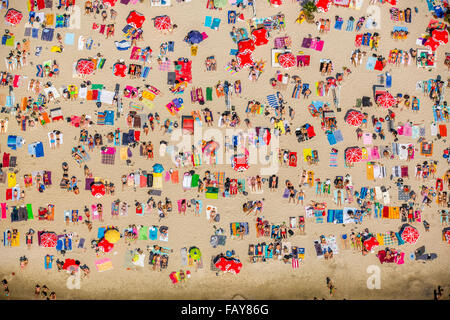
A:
(306, 42)
(88, 183)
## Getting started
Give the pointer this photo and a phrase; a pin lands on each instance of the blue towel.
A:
(47, 34)
(338, 135)
(370, 65)
(215, 24)
(101, 233)
(330, 216)
(208, 21)
(338, 24)
(331, 138)
(349, 25)
(35, 33)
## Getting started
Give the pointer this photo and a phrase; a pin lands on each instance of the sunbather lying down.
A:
(318, 205)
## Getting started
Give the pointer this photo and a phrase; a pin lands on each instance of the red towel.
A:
(311, 132)
(358, 40)
(102, 28)
(137, 135)
(443, 130)
(8, 194)
(385, 212)
(378, 65)
(6, 160)
(94, 94)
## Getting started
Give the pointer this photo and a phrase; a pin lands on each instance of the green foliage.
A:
(309, 7)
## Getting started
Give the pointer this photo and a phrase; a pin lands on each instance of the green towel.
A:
(194, 181)
(10, 41)
(30, 211)
(209, 91)
(212, 190)
(97, 87)
(143, 233)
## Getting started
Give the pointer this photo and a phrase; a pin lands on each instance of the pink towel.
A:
(319, 45)
(167, 177)
(205, 36)
(3, 210)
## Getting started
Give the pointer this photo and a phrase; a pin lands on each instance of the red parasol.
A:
(353, 154)
(245, 59)
(432, 43)
(105, 245)
(260, 36)
(119, 69)
(323, 5)
(354, 118)
(135, 18)
(49, 240)
(13, 16)
(229, 265)
(386, 100)
(162, 22)
(70, 265)
(85, 66)
(410, 234)
(245, 45)
(287, 60)
(370, 243)
(276, 2)
(98, 190)
(440, 36)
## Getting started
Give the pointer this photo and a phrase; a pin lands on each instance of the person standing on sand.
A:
(330, 286)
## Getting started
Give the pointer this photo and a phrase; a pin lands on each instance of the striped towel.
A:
(164, 66)
(101, 118)
(333, 159)
(273, 101)
(230, 70)
(295, 263)
(220, 178)
(196, 159)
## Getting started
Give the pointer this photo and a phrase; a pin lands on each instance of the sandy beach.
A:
(262, 280)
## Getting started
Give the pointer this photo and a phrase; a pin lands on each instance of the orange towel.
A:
(174, 177)
(89, 95)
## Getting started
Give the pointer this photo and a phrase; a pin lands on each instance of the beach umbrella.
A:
(210, 147)
(158, 168)
(410, 234)
(323, 5)
(440, 36)
(370, 243)
(13, 16)
(354, 118)
(220, 3)
(70, 264)
(105, 245)
(353, 154)
(85, 66)
(112, 236)
(246, 44)
(98, 189)
(194, 37)
(386, 100)
(245, 59)
(260, 36)
(195, 253)
(162, 22)
(49, 240)
(432, 43)
(228, 265)
(122, 45)
(119, 69)
(135, 18)
(240, 163)
(287, 60)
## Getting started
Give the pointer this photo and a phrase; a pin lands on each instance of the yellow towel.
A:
(306, 153)
(157, 180)
(380, 239)
(391, 212)
(396, 213)
(16, 242)
(123, 153)
(148, 95)
(49, 18)
(12, 180)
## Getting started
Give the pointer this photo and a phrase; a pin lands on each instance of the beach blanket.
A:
(104, 265)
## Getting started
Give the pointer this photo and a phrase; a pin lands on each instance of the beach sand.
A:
(270, 280)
